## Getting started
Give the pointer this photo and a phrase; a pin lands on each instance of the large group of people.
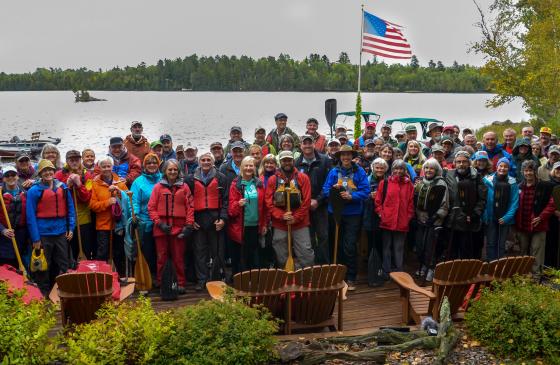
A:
(237, 206)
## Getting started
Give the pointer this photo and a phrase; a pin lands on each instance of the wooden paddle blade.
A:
(330, 111)
(337, 203)
(142, 274)
(290, 266)
(81, 256)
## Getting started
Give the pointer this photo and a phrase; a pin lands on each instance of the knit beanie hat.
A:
(503, 160)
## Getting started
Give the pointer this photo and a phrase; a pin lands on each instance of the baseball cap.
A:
(7, 169)
(554, 167)
(306, 137)
(135, 122)
(333, 140)
(370, 124)
(216, 144)
(554, 148)
(156, 143)
(437, 148)
(236, 128)
(237, 144)
(180, 148)
(481, 155)
(285, 154)
(165, 137)
(339, 126)
(73, 153)
(448, 128)
(280, 116)
(341, 135)
(21, 155)
(368, 142)
(260, 129)
(115, 141)
(411, 128)
(433, 126)
(546, 130)
(446, 139)
(190, 147)
(399, 133)
(388, 126)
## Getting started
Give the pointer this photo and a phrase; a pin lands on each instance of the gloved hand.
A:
(166, 228)
(186, 232)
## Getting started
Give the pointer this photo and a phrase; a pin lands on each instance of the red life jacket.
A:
(52, 204)
(177, 203)
(206, 196)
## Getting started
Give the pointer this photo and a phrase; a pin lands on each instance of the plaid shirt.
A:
(526, 206)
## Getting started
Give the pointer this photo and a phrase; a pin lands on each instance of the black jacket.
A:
(461, 207)
(317, 172)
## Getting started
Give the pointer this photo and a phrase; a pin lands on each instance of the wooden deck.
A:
(365, 310)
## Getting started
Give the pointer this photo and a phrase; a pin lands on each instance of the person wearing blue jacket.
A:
(141, 191)
(351, 182)
(502, 201)
(51, 219)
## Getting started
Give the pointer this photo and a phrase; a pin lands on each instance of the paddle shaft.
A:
(290, 260)
(14, 243)
(143, 281)
(336, 231)
(81, 254)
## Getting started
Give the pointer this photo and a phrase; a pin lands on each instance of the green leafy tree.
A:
(521, 45)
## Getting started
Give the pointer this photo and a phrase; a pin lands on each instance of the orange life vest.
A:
(52, 204)
(206, 196)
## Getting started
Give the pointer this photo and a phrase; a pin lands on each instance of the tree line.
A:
(224, 73)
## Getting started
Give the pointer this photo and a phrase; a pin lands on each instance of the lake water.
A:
(204, 117)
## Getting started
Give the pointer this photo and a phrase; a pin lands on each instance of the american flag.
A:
(383, 38)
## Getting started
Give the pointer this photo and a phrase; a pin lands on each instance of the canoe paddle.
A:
(142, 274)
(14, 243)
(290, 261)
(81, 254)
(330, 113)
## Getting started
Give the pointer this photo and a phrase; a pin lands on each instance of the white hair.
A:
(433, 163)
(380, 161)
(107, 159)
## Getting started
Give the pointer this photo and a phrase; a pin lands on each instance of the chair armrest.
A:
(404, 280)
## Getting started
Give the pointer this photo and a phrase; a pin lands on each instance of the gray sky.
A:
(106, 33)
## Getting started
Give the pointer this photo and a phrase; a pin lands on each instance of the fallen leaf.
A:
(474, 344)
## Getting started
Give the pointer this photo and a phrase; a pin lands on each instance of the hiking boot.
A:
(430, 275)
(351, 285)
(181, 290)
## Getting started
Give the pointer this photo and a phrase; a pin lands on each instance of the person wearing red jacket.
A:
(287, 177)
(536, 206)
(247, 216)
(171, 209)
(77, 178)
(395, 207)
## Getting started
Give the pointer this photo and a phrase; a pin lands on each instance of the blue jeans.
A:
(496, 235)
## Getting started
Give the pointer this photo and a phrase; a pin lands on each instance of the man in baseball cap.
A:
(369, 133)
(386, 135)
(275, 134)
(544, 170)
(260, 140)
(319, 140)
(332, 147)
(545, 137)
(434, 132)
(217, 150)
(236, 135)
(25, 170)
(135, 142)
(168, 151)
(190, 163)
(125, 165)
(230, 168)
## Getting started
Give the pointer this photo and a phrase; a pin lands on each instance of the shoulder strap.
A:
(384, 192)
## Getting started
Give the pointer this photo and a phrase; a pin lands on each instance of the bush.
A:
(24, 330)
(228, 332)
(128, 333)
(518, 319)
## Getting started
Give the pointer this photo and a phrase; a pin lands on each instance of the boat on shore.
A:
(33, 146)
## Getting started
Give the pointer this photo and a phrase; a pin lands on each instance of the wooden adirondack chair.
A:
(82, 294)
(316, 290)
(507, 267)
(264, 287)
(452, 279)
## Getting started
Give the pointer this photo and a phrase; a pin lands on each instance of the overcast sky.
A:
(106, 33)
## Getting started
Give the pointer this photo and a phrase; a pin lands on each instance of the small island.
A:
(84, 96)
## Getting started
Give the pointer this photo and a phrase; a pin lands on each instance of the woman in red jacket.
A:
(171, 209)
(247, 217)
(394, 205)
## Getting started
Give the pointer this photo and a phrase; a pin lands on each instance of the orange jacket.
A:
(99, 202)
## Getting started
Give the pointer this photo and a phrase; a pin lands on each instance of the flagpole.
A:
(361, 41)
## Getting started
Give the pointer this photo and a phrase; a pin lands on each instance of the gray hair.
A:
(399, 164)
(433, 163)
(169, 162)
(107, 159)
(49, 147)
(463, 153)
(284, 137)
(380, 161)
(209, 155)
(529, 164)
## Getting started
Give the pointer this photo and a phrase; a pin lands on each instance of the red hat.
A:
(448, 128)
(370, 124)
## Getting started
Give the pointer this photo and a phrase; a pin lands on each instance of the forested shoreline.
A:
(231, 73)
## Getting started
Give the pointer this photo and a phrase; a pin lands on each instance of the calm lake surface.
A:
(204, 117)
